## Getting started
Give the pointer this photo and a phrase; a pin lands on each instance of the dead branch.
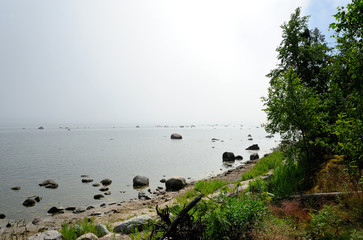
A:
(181, 215)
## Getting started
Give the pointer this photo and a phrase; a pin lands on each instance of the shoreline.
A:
(114, 213)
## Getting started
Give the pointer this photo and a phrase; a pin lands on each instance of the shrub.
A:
(235, 216)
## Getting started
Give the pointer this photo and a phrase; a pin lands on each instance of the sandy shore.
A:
(112, 213)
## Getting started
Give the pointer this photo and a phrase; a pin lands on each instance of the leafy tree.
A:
(315, 95)
(347, 86)
(295, 104)
(303, 50)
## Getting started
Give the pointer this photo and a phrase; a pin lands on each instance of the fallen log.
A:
(323, 195)
(181, 215)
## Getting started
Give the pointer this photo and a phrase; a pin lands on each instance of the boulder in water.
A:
(49, 184)
(228, 157)
(140, 181)
(30, 202)
(106, 182)
(253, 147)
(176, 136)
(254, 156)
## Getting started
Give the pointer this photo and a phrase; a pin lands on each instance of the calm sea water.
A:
(30, 156)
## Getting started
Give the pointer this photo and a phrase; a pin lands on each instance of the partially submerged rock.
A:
(254, 156)
(49, 184)
(30, 202)
(54, 210)
(2, 216)
(176, 136)
(15, 188)
(98, 196)
(133, 224)
(253, 147)
(106, 182)
(140, 181)
(228, 157)
(87, 180)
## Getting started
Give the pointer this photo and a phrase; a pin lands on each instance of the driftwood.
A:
(173, 226)
(324, 195)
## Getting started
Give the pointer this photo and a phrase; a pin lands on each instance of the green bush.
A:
(257, 186)
(235, 216)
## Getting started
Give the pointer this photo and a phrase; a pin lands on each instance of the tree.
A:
(303, 50)
(295, 104)
(347, 84)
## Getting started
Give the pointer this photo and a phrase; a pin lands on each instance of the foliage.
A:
(287, 179)
(264, 165)
(258, 185)
(235, 217)
(314, 99)
(323, 222)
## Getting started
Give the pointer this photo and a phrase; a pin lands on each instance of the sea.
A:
(28, 156)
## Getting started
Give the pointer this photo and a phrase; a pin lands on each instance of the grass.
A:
(204, 187)
(264, 165)
(73, 231)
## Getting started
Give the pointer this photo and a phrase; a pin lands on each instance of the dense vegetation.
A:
(315, 94)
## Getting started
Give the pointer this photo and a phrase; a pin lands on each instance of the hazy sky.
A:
(141, 62)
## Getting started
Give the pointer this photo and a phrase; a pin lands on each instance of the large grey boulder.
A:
(175, 183)
(176, 136)
(48, 235)
(101, 230)
(140, 181)
(88, 236)
(49, 184)
(132, 224)
(228, 157)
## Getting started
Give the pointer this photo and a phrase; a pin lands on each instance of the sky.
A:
(142, 62)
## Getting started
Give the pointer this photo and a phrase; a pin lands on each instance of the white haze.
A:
(138, 62)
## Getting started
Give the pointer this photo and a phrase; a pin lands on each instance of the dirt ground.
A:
(112, 214)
